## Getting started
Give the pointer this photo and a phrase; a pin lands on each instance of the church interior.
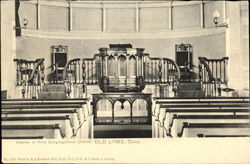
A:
(78, 69)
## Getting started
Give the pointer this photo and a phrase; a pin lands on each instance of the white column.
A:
(202, 14)
(224, 12)
(103, 18)
(38, 14)
(8, 49)
(137, 19)
(171, 17)
(70, 17)
(233, 47)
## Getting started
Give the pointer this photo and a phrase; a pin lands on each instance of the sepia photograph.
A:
(105, 80)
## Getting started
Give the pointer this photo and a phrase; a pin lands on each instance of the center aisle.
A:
(123, 131)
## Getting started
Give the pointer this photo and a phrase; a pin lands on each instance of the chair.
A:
(59, 60)
(184, 60)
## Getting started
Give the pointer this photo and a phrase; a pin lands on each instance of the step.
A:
(189, 86)
(193, 94)
(52, 95)
(54, 88)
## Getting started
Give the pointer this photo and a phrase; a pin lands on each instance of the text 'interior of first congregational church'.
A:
(76, 69)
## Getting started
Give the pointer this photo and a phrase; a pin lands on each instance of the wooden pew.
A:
(86, 129)
(80, 109)
(170, 113)
(164, 118)
(46, 113)
(41, 101)
(83, 127)
(24, 137)
(83, 130)
(178, 120)
(215, 106)
(26, 104)
(47, 131)
(229, 105)
(205, 106)
(159, 124)
(193, 129)
(201, 101)
(221, 135)
(162, 101)
(174, 99)
(63, 121)
(22, 107)
(197, 103)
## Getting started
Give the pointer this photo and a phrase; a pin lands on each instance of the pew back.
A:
(47, 131)
(178, 120)
(193, 129)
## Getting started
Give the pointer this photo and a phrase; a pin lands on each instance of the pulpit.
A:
(121, 68)
(121, 78)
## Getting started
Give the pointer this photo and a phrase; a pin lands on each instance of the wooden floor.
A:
(122, 131)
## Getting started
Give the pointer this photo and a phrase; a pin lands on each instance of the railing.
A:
(30, 75)
(164, 73)
(72, 71)
(23, 70)
(88, 71)
(74, 78)
(78, 73)
(169, 72)
(212, 73)
(218, 68)
(161, 70)
(92, 71)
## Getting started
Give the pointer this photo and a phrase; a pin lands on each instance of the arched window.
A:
(111, 66)
(122, 65)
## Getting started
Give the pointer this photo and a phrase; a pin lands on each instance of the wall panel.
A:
(187, 16)
(154, 19)
(212, 46)
(54, 18)
(85, 19)
(120, 19)
(29, 11)
(209, 9)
